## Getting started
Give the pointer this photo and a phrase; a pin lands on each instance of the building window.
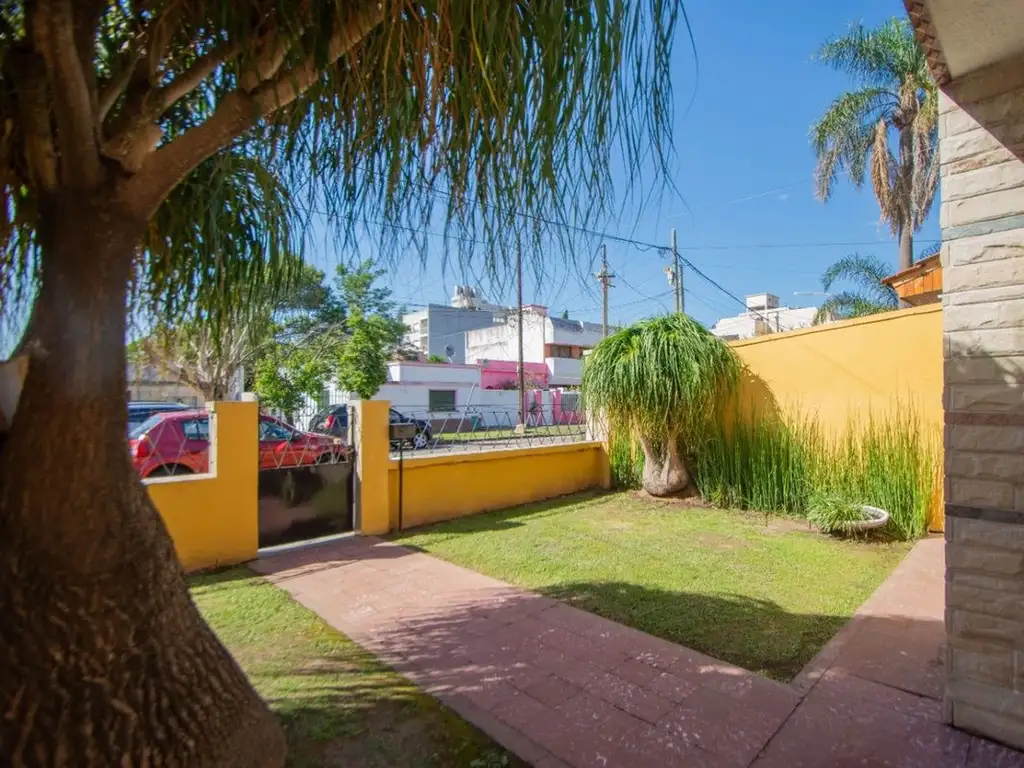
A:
(563, 351)
(441, 400)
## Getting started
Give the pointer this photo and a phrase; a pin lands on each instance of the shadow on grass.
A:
(754, 634)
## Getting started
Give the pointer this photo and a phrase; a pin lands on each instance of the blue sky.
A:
(744, 167)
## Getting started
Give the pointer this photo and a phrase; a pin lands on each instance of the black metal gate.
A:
(305, 483)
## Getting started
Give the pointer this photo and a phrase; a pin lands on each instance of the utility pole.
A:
(604, 277)
(521, 425)
(678, 271)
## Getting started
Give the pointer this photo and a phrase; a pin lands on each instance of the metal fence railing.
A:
(477, 428)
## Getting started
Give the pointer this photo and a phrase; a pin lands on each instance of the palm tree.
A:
(498, 118)
(895, 94)
(660, 381)
(873, 296)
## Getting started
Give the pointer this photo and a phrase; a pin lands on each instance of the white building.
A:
(559, 344)
(451, 397)
(441, 330)
(763, 316)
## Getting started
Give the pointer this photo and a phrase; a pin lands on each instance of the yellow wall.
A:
(213, 518)
(840, 370)
(453, 485)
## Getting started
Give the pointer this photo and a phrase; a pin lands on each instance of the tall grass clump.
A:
(792, 466)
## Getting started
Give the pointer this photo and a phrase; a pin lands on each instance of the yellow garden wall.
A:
(454, 485)
(213, 518)
(843, 371)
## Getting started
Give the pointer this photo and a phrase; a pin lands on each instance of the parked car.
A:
(332, 420)
(424, 431)
(178, 443)
(140, 410)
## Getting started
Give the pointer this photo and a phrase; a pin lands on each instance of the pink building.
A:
(504, 374)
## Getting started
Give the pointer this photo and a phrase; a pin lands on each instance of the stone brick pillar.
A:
(982, 218)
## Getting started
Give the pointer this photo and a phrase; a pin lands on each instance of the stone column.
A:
(982, 218)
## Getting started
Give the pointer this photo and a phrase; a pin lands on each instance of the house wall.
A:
(446, 326)
(981, 128)
(406, 372)
(496, 374)
(213, 518)
(501, 342)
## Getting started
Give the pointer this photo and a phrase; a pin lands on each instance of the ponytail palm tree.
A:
(896, 96)
(661, 382)
(498, 118)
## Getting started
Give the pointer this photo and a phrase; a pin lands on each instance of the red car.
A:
(178, 443)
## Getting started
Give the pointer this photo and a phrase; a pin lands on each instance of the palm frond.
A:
(495, 123)
(880, 56)
(862, 269)
(842, 137)
(847, 305)
(884, 176)
(895, 92)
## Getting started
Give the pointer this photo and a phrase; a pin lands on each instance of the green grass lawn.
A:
(765, 598)
(338, 705)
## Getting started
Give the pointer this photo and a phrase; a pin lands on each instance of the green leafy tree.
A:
(306, 334)
(124, 124)
(661, 383)
(895, 96)
(374, 331)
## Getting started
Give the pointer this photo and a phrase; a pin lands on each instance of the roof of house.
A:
(923, 277)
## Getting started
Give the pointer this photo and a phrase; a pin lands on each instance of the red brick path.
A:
(562, 687)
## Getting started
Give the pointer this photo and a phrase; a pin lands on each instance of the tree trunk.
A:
(906, 236)
(104, 659)
(664, 470)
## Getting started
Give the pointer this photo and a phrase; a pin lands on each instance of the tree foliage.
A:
(374, 331)
(871, 295)
(895, 94)
(661, 382)
(494, 117)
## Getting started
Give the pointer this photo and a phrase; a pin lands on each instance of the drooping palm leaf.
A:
(873, 296)
(496, 123)
(661, 379)
(894, 94)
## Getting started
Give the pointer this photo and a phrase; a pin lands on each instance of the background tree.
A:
(895, 95)
(872, 295)
(374, 331)
(661, 382)
(305, 338)
(493, 117)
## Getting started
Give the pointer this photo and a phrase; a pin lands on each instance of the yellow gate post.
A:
(372, 513)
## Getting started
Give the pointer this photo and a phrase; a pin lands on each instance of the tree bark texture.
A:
(104, 659)
(664, 470)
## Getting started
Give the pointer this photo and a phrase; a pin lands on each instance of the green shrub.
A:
(832, 512)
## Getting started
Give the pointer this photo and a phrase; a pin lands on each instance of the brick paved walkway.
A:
(561, 687)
